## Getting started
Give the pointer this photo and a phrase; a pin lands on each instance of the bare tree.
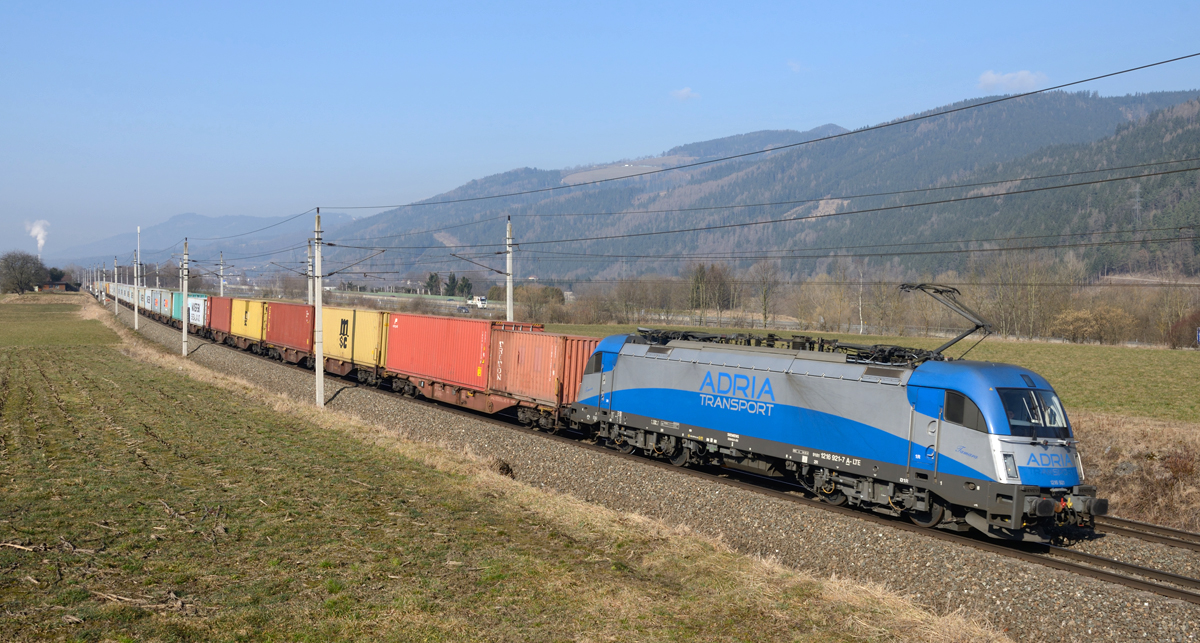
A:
(696, 276)
(710, 286)
(20, 272)
(722, 294)
(818, 305)
(537, 299)
(765, 277)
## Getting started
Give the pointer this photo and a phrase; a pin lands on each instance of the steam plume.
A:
(37, 230)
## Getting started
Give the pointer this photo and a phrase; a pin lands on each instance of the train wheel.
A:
(837, 498)
(929, 518)
(681, 457)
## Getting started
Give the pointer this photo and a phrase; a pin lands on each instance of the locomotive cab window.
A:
(1034, 413)
(962, 411)
(593, 364)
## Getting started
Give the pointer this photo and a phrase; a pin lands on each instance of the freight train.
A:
(946, 443)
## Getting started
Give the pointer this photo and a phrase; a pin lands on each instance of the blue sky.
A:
(120, 114)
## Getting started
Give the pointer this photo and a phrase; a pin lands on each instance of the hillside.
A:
(1000, 140)
(208, 237)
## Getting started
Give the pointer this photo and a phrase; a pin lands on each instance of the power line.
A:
(792, 202)
(1060, 246)
(810, 217)
(242, 234)
(607, 260)
(823, 283)
(437, 229)
(856, 196)
(265, 254)
(902, 121)
(743, 255)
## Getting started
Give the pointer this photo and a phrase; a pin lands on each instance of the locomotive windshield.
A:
(1034, 414)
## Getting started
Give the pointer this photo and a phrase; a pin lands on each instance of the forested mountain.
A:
(1049, 133)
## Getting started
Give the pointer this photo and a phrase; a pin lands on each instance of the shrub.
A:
(1183, 332)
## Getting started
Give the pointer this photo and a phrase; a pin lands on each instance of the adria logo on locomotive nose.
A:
(1048, 460)
(737, 393)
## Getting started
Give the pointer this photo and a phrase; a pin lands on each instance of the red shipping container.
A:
(576, 354)
(546, 368)
(527, 365)
(219, 311)
(289, 325)
(442, 349)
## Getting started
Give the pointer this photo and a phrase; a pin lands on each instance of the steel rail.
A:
(1148, 532)
(1147, 572)
(1050, 559)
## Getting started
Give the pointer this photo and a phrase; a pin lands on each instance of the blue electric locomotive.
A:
(949, 443)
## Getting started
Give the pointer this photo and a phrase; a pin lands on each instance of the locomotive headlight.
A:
(1010, 466)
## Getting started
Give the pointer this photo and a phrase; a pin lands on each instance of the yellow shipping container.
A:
(337, 328)
(246, 319)
(353, 335)
(369, 328)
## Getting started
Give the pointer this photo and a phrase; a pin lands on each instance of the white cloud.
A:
(1017, 81)
(796, 66)
(685, 94)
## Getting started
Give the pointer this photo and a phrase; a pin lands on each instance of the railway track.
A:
(1129, 575)
(1148, 532)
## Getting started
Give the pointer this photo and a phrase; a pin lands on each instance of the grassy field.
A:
(1150, 383)
(53, 324)
(138, 503)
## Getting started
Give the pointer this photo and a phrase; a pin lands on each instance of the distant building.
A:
(56, 286)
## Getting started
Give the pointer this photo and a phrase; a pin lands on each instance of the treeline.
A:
(22, 272)
(1024, 298)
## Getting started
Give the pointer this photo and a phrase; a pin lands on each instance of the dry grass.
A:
(44, 298)
(1149, 469)
(184, 504)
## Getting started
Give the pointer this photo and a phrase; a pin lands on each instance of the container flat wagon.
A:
(197, 306)
(542, 371)
(220, 310)
(288, 331)
(246, 324)
(353, 342)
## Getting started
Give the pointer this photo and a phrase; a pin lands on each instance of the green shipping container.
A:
(177, 303)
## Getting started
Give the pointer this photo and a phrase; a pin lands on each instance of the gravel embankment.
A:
(1030, 601)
